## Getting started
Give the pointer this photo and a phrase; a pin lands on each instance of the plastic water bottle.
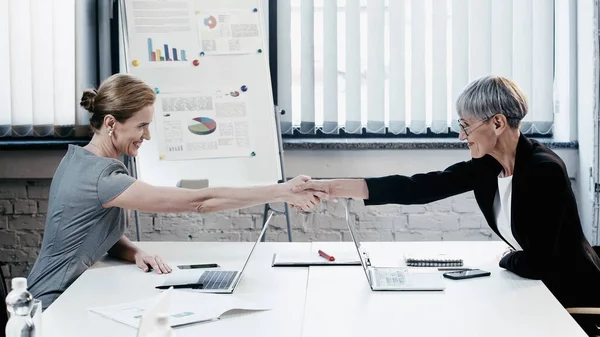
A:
(162, 326)
(19, 303)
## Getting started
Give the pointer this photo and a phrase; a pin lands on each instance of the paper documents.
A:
(186, 308)
(313, 259)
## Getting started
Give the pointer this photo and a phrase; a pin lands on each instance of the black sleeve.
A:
(539, 258)
(421, 188)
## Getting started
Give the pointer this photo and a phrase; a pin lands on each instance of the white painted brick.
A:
(224, 237)
(42, 206)
(369, 236)
(170, 222)
(19, 270)
(253, 210)
(161, 236)
(382, 222)
(12, 189)
(38, 191)
(444, 205)
(297, 220)
(462, 204)
(356, 205)
(249, 235)
(468, 235)
(8, 238)
(433, 221)
(30, 239)
(414, 209)
(26, 222)
(382, 210)
(146, 224)
(6, 207)
(471, 221)
(334, 209)
(246, 221)
(187, 231)
(313, 236)
(418, 235)
(25, 206)
(13, 255)
(325, 221)
(346, 236)
(217, 221)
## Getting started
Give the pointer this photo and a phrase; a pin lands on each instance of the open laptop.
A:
(393, 278)
(223, 281)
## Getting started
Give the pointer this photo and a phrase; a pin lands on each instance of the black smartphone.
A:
(198, 266)
(465, 274)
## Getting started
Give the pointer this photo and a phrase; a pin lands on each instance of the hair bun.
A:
(88, 98)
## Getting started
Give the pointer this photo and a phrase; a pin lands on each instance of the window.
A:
(395, 67)
(44, 70)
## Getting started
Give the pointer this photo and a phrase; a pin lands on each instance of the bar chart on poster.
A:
(214, 116)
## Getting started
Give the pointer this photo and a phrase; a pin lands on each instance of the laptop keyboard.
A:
(390, 277)
(217, 279)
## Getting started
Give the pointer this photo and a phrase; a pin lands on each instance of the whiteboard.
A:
(214, 116)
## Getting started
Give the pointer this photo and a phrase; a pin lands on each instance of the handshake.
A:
(304, 194)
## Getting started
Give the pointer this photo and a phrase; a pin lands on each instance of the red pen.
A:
(323, 254)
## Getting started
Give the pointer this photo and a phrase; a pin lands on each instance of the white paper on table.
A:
(186, 308)
(161, 305)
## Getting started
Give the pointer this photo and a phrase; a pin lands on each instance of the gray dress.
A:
(79, 231)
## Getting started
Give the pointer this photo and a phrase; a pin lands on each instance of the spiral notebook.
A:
(437, 260)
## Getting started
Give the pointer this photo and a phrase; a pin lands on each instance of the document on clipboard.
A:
(314, 259)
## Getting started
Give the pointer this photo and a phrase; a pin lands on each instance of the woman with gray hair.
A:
(521, 187)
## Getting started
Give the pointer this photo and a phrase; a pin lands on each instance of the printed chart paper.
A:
(228, 31)
(185, 308)
(197, 126)
(163, 33)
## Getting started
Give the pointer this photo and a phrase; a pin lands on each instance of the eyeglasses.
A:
(470, 128)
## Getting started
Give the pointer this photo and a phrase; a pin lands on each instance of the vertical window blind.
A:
(48, 56)
(394, 66)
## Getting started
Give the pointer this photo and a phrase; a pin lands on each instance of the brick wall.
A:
(23, 206)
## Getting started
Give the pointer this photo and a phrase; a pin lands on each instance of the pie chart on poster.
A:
(202, 126)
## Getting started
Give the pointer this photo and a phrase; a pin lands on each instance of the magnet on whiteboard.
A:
(162, 156)
(196, 62)
(255, 10)
(136, 63)
(252, 154)
(156, 90)
(260, 51)
(244, 88)
(201, 53)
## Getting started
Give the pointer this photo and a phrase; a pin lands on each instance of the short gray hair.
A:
(491, 95)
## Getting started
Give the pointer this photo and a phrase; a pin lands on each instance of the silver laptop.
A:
(393, 278)
(224, 281)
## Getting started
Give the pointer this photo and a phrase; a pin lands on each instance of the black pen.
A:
(180, 286)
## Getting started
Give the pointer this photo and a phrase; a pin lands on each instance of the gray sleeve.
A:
(113, 181)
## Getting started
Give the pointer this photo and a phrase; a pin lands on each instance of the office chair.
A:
(588, 317)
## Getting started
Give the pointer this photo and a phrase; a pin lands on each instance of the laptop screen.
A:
(364, 258)
(262, 232)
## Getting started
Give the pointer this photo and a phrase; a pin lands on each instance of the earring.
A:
(110, 133)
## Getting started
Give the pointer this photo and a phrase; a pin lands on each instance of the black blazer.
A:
(545, 221)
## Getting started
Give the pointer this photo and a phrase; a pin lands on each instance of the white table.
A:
(340, 302)
(326, 301)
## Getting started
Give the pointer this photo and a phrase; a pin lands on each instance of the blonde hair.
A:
(120, 95)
